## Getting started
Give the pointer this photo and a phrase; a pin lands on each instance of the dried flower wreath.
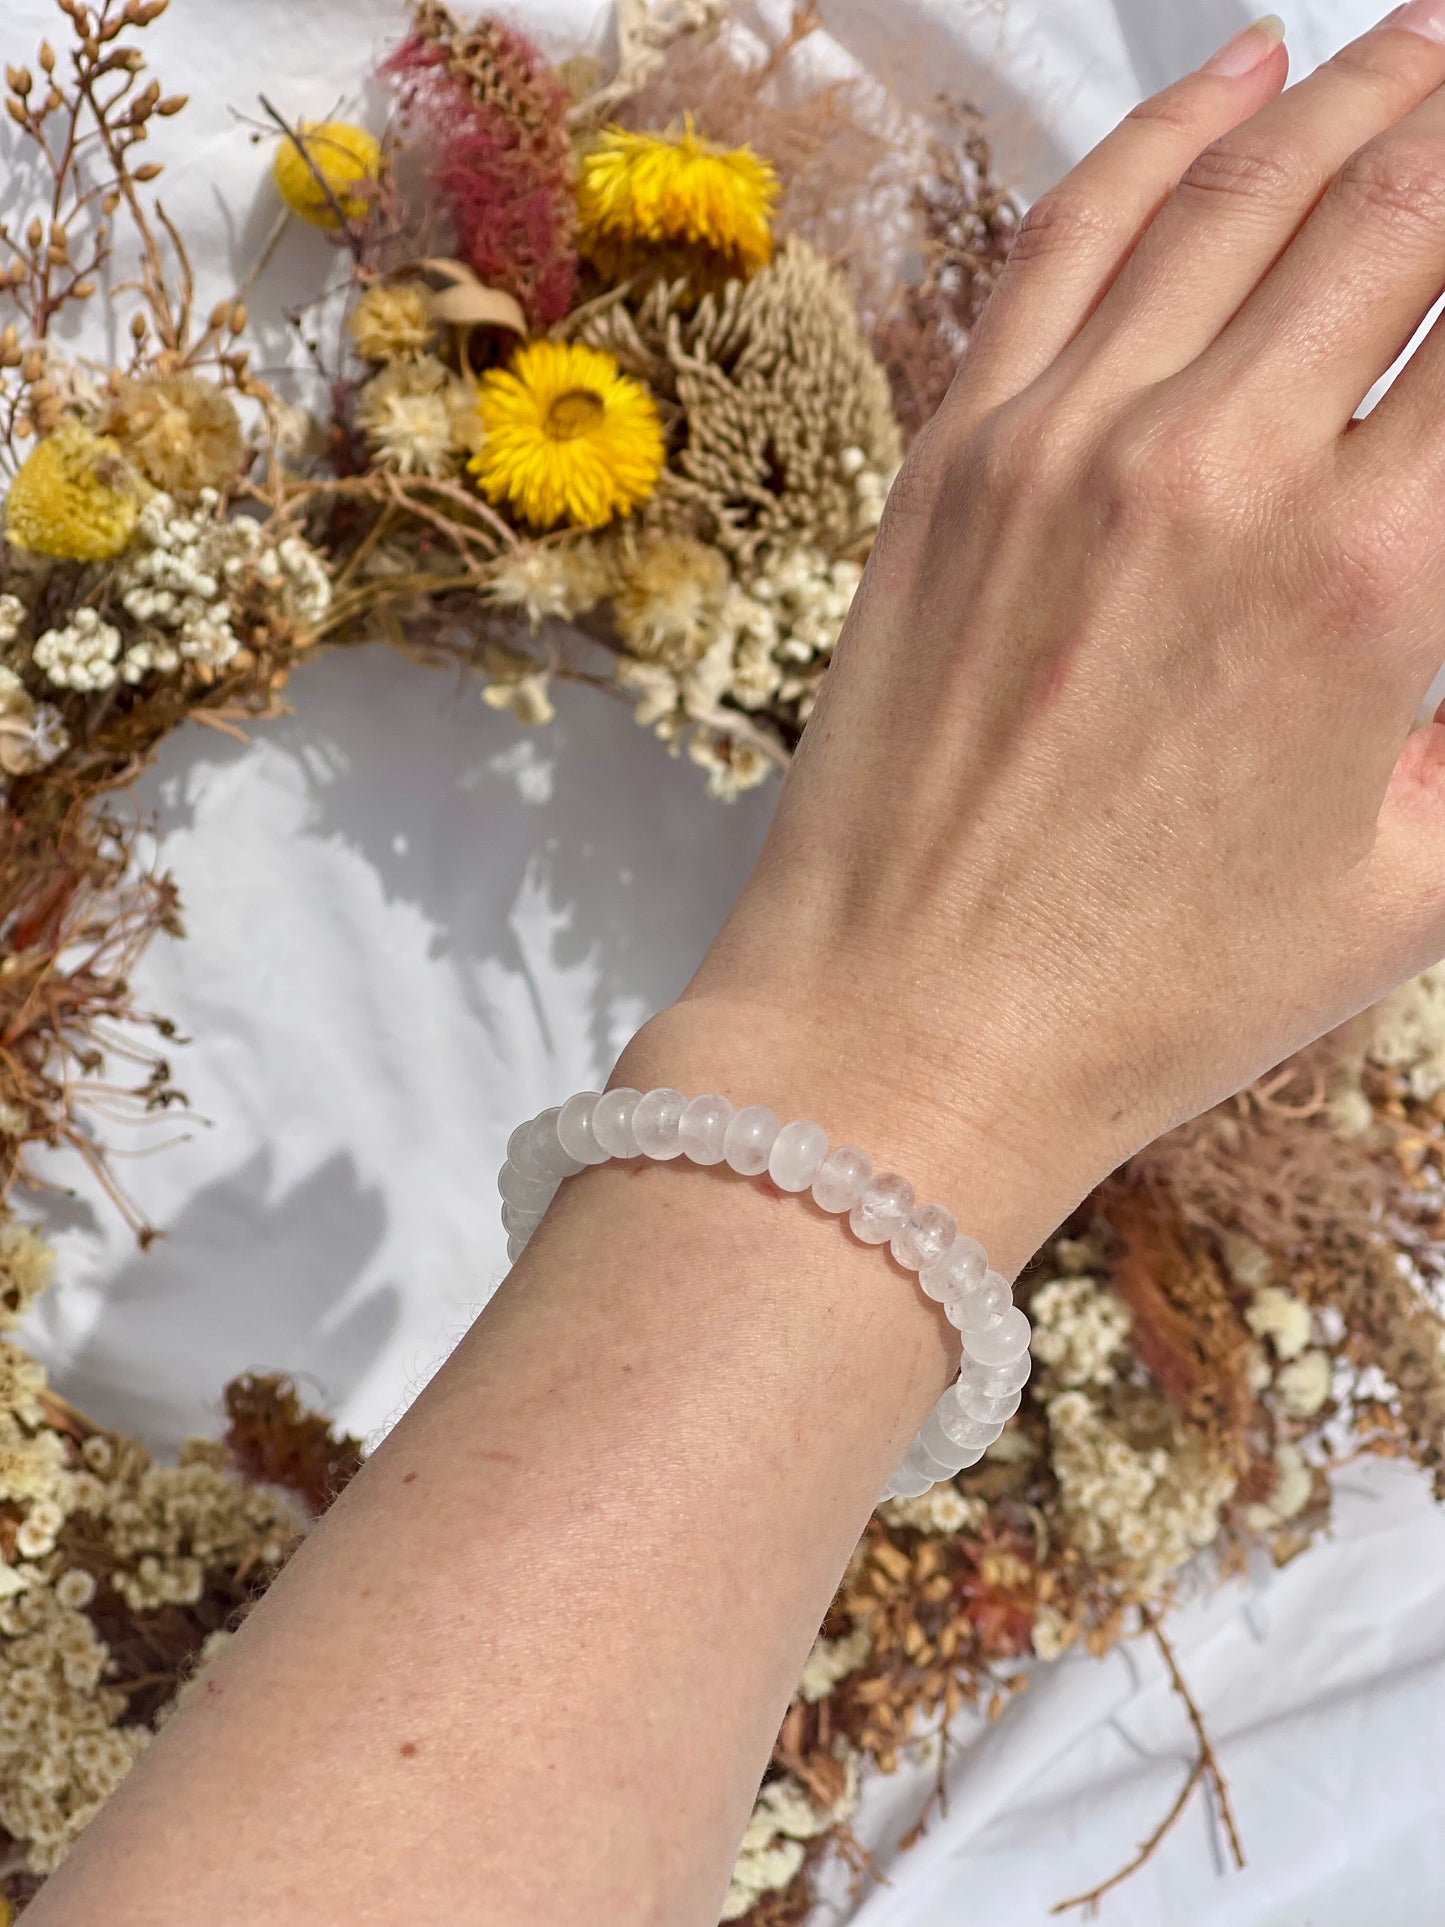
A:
(617, 401)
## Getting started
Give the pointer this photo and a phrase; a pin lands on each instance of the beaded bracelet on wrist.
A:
(952, 1268)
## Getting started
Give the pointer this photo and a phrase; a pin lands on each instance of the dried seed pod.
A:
(148, 171)
(172, 104)
(83, 290)
(139, 327)
(236, 322)
(34, 232)
(47, 57)
(110, 202)
(20, 80)
(33, 366)
(16, 110)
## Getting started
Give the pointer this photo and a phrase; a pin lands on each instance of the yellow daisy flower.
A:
(641, 191)
(74, 496)
(347, 160)
(568, 437)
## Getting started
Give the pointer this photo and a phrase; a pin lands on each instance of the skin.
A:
(1111, 801)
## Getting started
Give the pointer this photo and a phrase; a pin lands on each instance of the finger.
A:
(1075, 237)
(1238, 206)
(1350, 289)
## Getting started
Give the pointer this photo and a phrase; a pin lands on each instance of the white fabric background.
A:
(411, 924)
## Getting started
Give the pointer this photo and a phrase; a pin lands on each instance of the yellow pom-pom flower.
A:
(643, 192)
(327, 171)
(75, 496)
(568, 438)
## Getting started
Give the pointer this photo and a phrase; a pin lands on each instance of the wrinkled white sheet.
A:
(411, 924)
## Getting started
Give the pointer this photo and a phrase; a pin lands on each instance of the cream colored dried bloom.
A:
(832, 1660)
(1051, 1633)
(942, 1509)
(1284, 1320)
(1303, 1386)
(1293, 1489)
(1081, 1331)
(27, 1264)
(733, 764)
(1140, 1491)
(392, 322)
(418, 417)
(22, 1380)
(518, 683)
(773, 1850)
(32, 734)
(1409, 1033)
(545, 581)
(1248, 1264)
(12, 617)
(183, 432)
(669, 597)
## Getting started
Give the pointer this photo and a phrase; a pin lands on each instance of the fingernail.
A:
(1425, 17)
(1245, 52)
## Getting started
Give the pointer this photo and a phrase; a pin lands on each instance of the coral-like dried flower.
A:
(499, 153)
(392, 322)
(182, 431)
(644, 192)
(75, 496)
(327, 172)
(568, 437)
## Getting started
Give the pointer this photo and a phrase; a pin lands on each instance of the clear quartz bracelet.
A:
(952, 1269)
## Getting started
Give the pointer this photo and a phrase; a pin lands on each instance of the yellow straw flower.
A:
(568, 437)
(347, 161)
(75, 496)
(641, 191)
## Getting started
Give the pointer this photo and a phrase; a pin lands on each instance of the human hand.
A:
(1108, 803)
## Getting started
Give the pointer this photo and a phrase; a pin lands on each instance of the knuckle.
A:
(1398, 181)
(1240, 170)
(1383, 67)
(1175, 111)
(1166, 471)
(1367, 565)
(1061, 221)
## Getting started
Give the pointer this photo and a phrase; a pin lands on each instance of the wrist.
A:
(972, 1139)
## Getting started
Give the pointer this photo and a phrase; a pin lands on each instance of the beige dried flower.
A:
(418, 417)
(392, 322)
(26, 1266)
(558, 580)
(669, 597)
(519, 683)
(789, 434)
(1303, 1386)
(182, 432)
(1280, 1317)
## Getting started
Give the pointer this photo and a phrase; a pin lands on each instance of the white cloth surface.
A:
(411, 924)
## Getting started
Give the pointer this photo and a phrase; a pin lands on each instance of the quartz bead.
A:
(989, 1411)
(532, 1194)
(515, 1248)
(923, 1459)
(885, 1203)
(797, 1154)
(976, 1310)
(655, 1123)
(933, 1440)
(574, 1129)
(924, 1237)
(996, 1381)
(962, 1430)
(520, 1154)
(612, 1122)
(1006, 1339)
(961, 1268)
(909, 1483)
(841, 1178)
(547, 1151)
(748, 1141)
(520, 1223)
(703, 1129)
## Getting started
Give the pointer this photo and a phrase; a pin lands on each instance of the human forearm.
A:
(556, 1621)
